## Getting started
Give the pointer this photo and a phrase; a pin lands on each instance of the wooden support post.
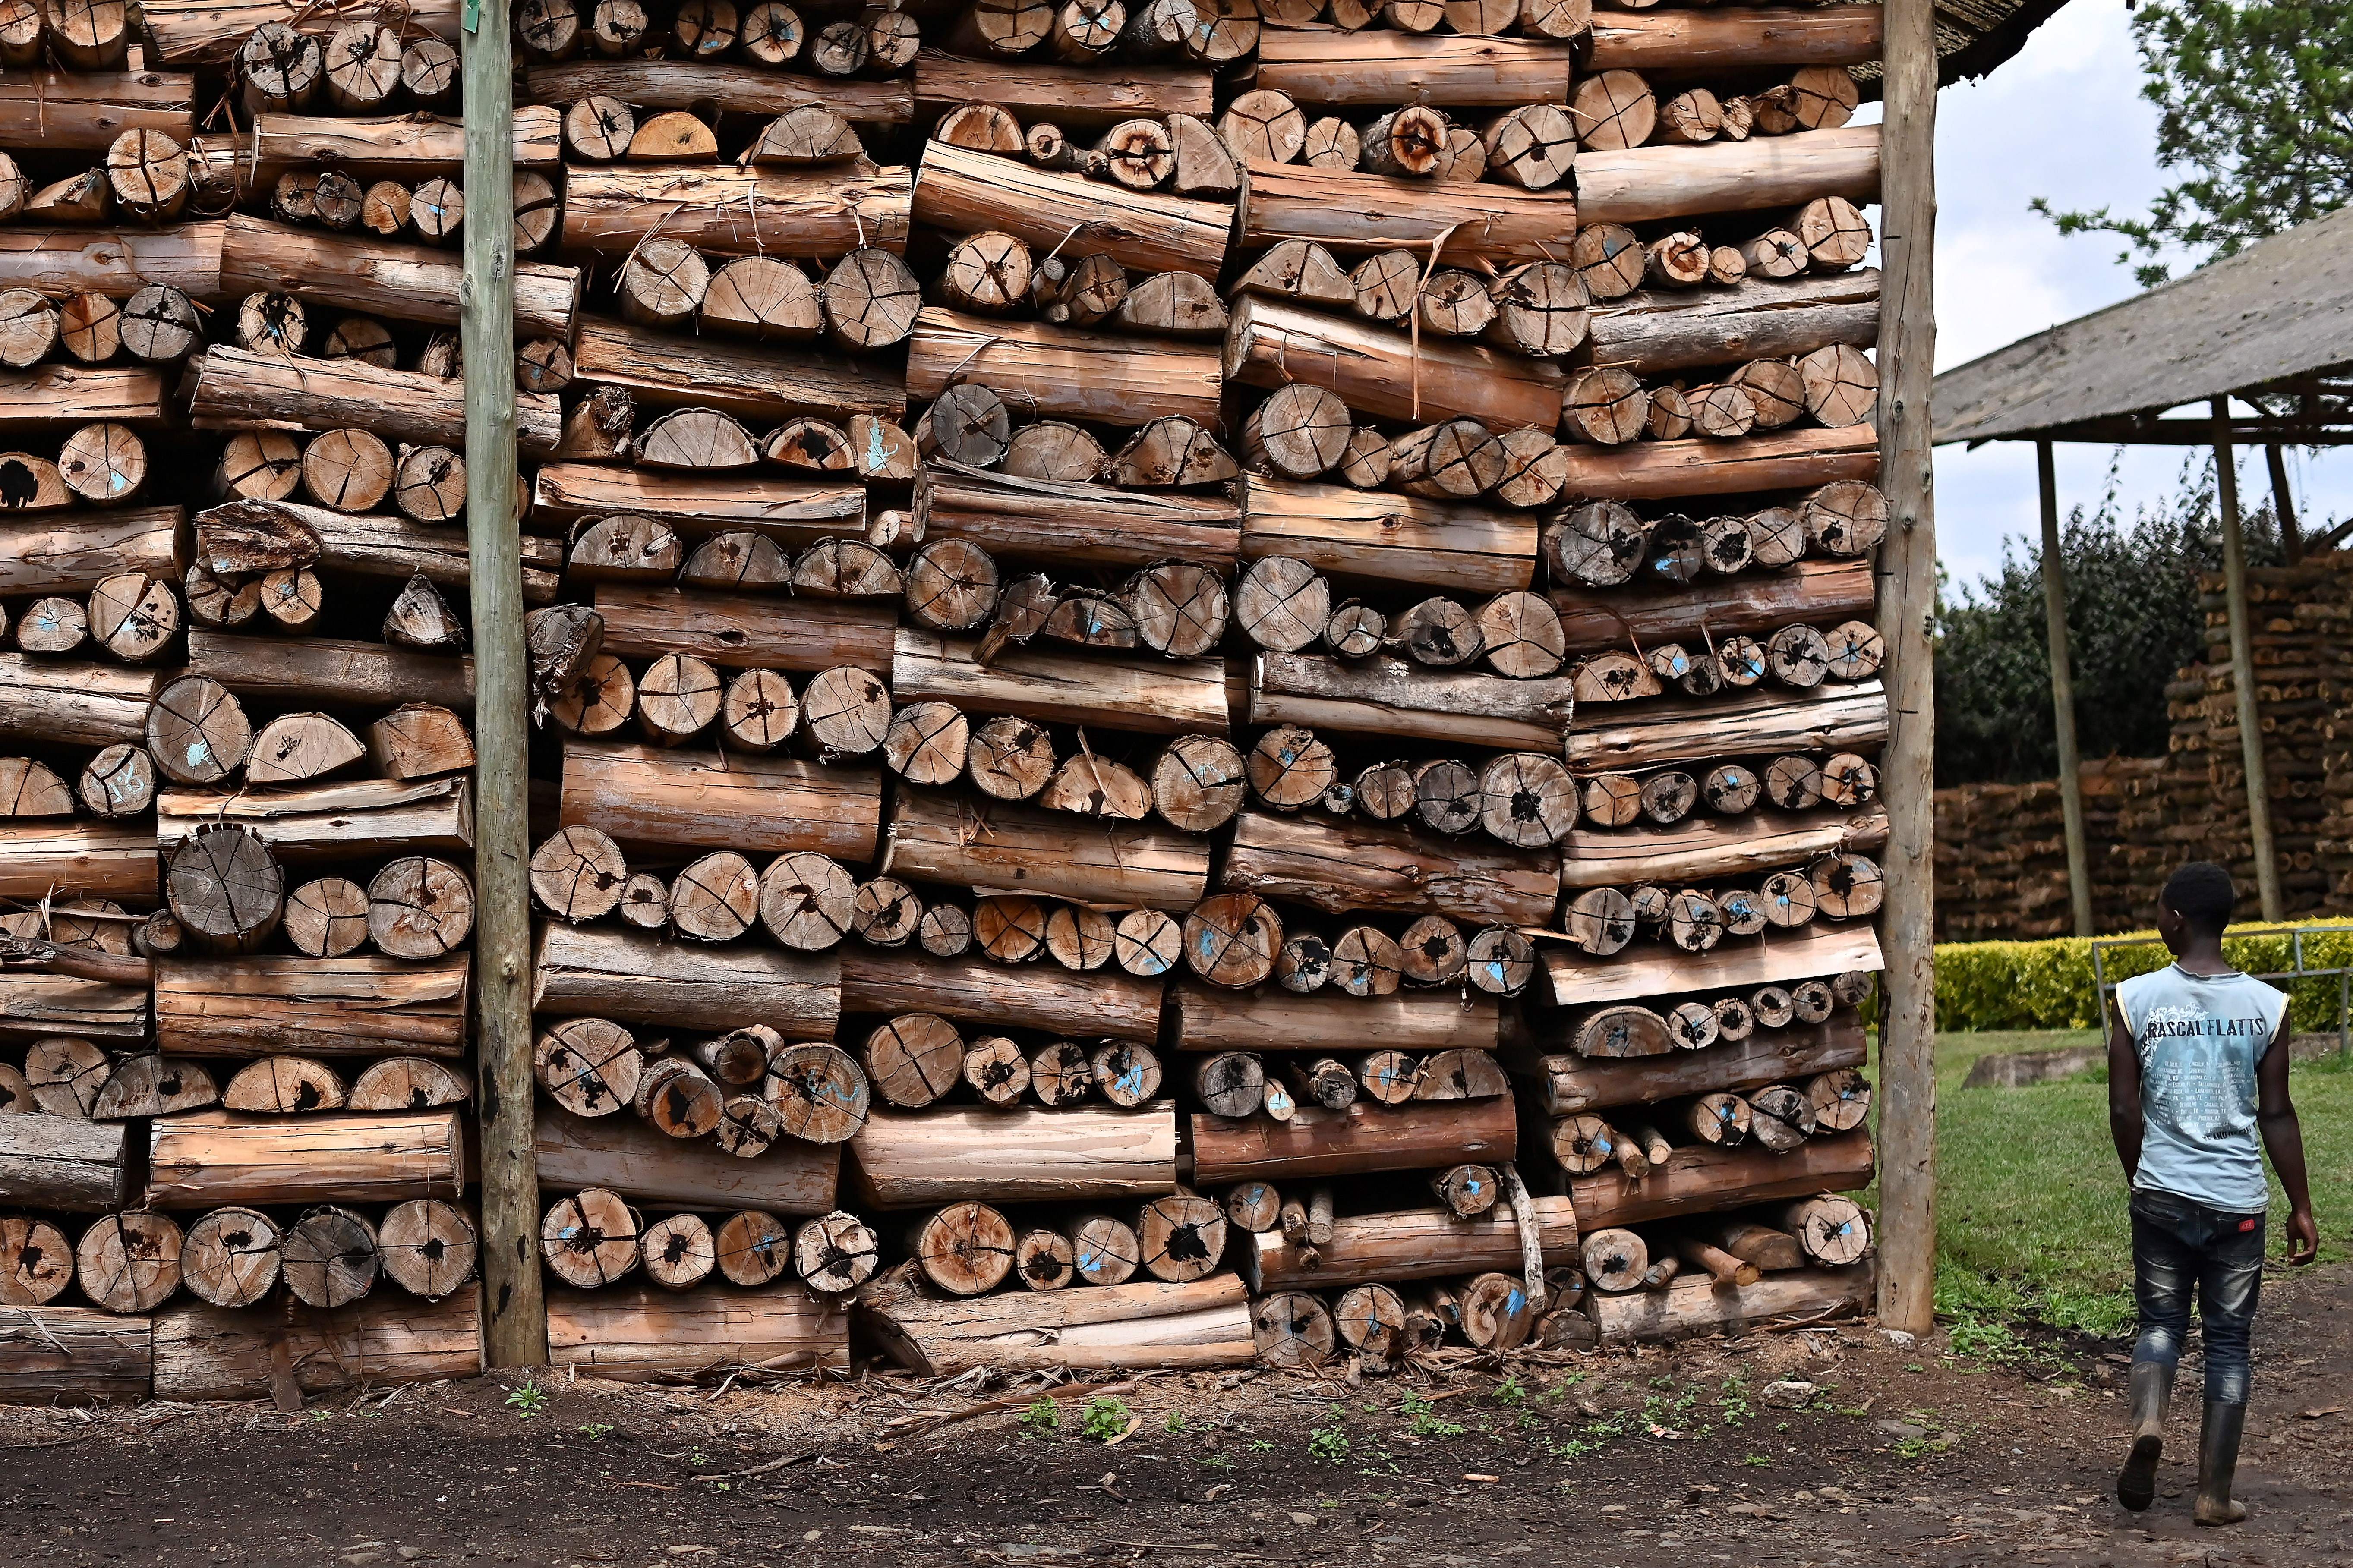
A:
(2283, 504)
(514, 1326)
(1907, 602)
(2063, 696)
(2242, 667)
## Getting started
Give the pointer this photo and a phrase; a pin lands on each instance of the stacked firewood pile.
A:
(2001, 855)
(1203, 674)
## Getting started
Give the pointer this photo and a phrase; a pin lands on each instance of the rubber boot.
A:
(2152, 1392)
(2218, 1463)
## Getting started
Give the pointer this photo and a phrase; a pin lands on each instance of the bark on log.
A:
(1343, 866)
(236, 387)
(1203, 1323)
(209, 1158)
(1706, 848)
(74, 704)
(743, 631)
(1330, 68)
(1777, 958)
(763, 384)
(332, 820)
(790, 511)
(1353, 213)
(311, 1006)
(1381, 373)
(117, 263)
(85, 112)
(1644, 185)
(1065, 524)
(65, 1163)
(1022, 1155)
(248, 536)
(1054, 371)
(410, 148)
(961, 190)
(1571, 1084)
(46, 395)
(1380, 537)
(719, 209)
(1166, 697)
(73, 1355)
(409, 283)
(1690, 42)
(623, 1154)
(602, 973)
(1653, 334)
(939, 838)
(1072, 95)
(1409, 1244)
(1593, 620)
(1317, 1142)
(656, 801)
(638, 1334)
(746, 90)
(1684, 730)
(1205, 1020)
(1097, 1005)
(1700, 1178)
(1394, 697)
(222, 1353)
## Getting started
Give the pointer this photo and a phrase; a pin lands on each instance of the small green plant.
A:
(1260, 1445)
(1104, 1419)
(1914, 1447)
(1982, 1339)
(1040, 1419)
(1421, 1421)
(595, 1431)
(1329, 1442)
(1176, 1423)
(526, 1399)
(1734, 1402)
(1511, 1391)
(1759, 1461)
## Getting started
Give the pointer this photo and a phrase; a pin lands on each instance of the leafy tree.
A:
(2133, 619)
(2254, 111)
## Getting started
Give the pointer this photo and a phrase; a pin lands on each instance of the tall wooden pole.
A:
(2283, 504)
(1907, 603)
(2242, 668)
(2063, 696)
(515, 1327)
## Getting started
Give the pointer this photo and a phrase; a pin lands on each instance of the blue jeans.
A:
(2178, 1243)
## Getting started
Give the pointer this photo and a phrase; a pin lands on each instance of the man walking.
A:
(2197, 1065)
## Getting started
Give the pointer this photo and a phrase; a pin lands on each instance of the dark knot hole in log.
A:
(1185, 1245)
(306, 1096)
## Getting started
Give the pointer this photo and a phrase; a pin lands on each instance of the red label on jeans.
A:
(2249, 1224)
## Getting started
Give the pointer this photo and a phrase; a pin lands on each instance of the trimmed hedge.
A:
(2047, 985)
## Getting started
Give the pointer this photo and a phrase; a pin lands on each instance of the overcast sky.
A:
(2062, 119)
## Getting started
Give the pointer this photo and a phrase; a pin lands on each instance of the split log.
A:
(1783, 957)
(1380, 373)
(626, 1155)
(1162, 698)
(1387, 538)
(728, 211)
(410, 283)
(761, 384)
(53, 394)
(406, 1083)
(1055, 371)
(1703, 849)
(1095, 1005)
(1570, 1084)
(1022, 1155)
(1411, 1244)
(1395, 698)
(750, 89)
(209, 1158)
(75, 704)
(237, 386)
(1203, 1020)
(65, 1163)
(39, 858)
(1203, 1323)
(1700, 1178)
(642, 1334)
(255, 1006)
(148, 1085)
(1085, 95)
(1355, 213)
(646, 796)
(602, 973)
(1331, 69)
(1064, 523)
(940, 840)
(1316, 1142)
(1341, 867)
(203, 1351)
(86, 111)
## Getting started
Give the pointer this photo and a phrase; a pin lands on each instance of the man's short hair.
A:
(2202, 893)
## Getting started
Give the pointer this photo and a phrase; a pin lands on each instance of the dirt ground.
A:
(1867, 1451)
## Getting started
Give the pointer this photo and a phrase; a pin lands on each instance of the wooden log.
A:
(1202, 1323)
(63, 703)
(1316, 1143)
(40, 858)
(1167, 698)
(1380, 537)
(237, 388)
(1394, 697)
(1683, 729)
(938, 838)
(743, 631)
(1411, 1244)
(86, 111)
(790, 511)
(1065, 524)
(203, 1351)
(1786, 460)
(1096, 1005)
(1357, 212)
(410, 283)
(1705, 848)
(317, 821)
(645, 1334)
(764, 384)
(1570, 1084)
(1652, 334)
(307, 1007)
(411, 149)
(746, 90)
(601, 973)
(962, 189)
(1698, 1305)
(46, 395)
(65, 1163)
(719, 209)
(117, 263)
(1206, 1020)
(1381, 373)
(73, 1355)
(244, 537)
(1642, 185)
(1342, 866)
(1022, 1155)
(623, 1154)
(63, 1002)
(1054, 371)
(1076, 95)
(1754, 602)
(1378, 67)
(406, 1083)
(1776, 959)
(205, 1159)
(654, 800)
(1702, 1178)
(1691, 42)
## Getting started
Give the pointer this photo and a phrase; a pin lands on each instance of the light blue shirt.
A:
(2199, 1038)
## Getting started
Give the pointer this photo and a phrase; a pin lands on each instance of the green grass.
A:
(2031, 1201)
